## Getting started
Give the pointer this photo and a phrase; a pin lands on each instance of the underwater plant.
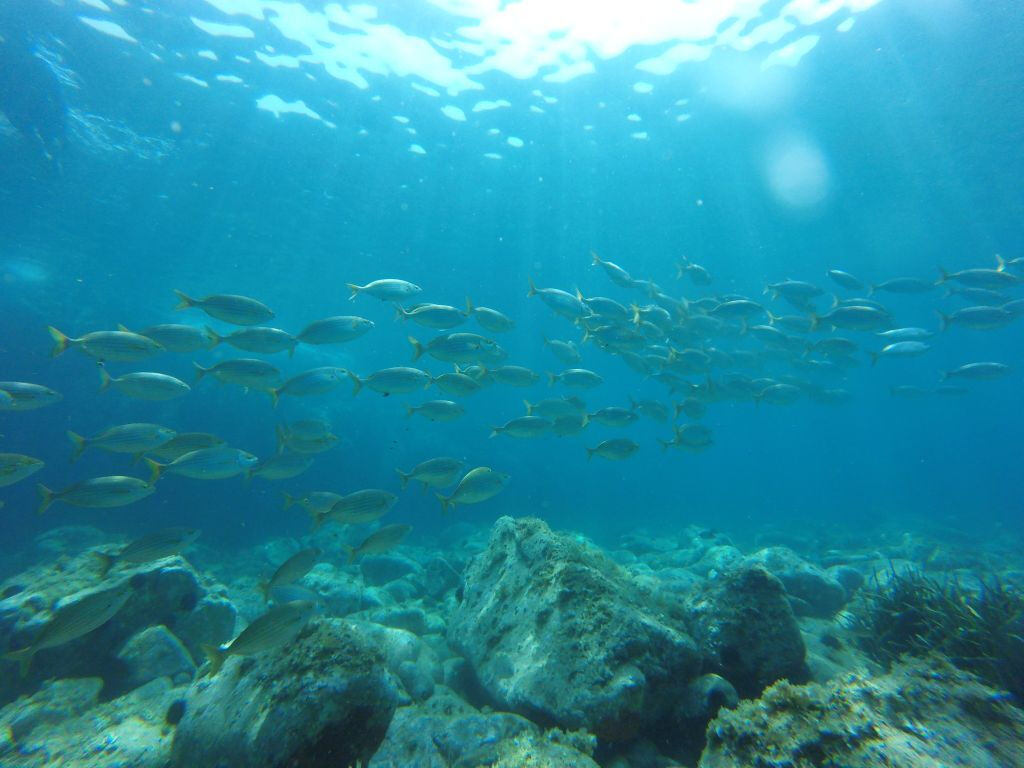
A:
(979, 629)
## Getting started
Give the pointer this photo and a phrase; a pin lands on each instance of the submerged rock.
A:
(324, 701)
(746, 629)
(924, 713)
(817, 592)
(156, 652)
(558, 632)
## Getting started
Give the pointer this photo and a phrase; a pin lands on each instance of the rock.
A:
(211, 622)
(848, 577)
(410, 618)
(818, 593)
(54, 702)
(746, 629)
(156, 652)
(408, 657)
(323, 701)
(445, 732)
(924, 713)
(705, 696)
(440, 577)
(378, 570)
(716, 560)
(558, 632)
(341, 593)
(401, 590)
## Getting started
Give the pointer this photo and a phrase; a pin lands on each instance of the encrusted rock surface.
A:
(815, 592)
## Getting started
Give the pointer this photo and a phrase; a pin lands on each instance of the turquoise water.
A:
(470, 147)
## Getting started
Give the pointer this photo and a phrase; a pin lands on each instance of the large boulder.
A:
(746, 629)
(323, 701)
(815, 592)
(920, 715)
(558, 632)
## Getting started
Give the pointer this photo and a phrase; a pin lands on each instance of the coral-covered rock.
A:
(155, 652)
(817, 592)
(323, 701)
(745, 627)
(557, 631)
(921, 715)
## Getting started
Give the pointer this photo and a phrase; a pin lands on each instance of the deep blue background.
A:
(921, 127)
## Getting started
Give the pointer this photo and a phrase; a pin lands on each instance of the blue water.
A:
(895, 148)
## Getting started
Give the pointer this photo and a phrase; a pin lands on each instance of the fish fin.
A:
(417, 348)
(200, 371)
(943, 320)
(184, 302)
(23, 657)
(469, 306)
(289, 500)
(552, 378)
(106, 563)
(409, 411)
(45, 498)
(291, 351)
(400, 313)
(943, 276)
(835, 301)
(105, 378)
(533, 288)
(1000, 263)
(495, 431)
(355, 289)
(590, 453)
(529, 407)
(871, 289)
(123, 328)
(60, 341)
(78, 444)
(213, 336)
(446, 501)
(596, 260)
(815, 320)
(351, 554)
(357, 383)
(275, 395)
(215, 656)
(279, 432)
(155, 469)
(265, 591)
(874, 357)
(404, 478)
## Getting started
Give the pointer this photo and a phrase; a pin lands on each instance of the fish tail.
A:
(265, 591)
(943, 376)
(105, 379)
(23, 657)
(874, 358)
(1000, 263)
(409, 411)
(596, 260)
(552, 378)
(355, 289)
(350, 554)
(106, 563)
(495, 431)
(529, 407)
(45, 498)
(590, 453)
(281, 440)
(445, 502)
(815, 320)
(871, 289)
(289, 500)
(184, 302)
(291, 350)
(469, 306)
(213, 336)
(665, 444)
(275, 395)
(60, 341)
(943, 276)
(77, 444)
(215, 656)
(417, 348)
(200, 371)
(943, 320)
(533, 288)
(400, 313)
(357, 383)
(155, 469)
(404, 478)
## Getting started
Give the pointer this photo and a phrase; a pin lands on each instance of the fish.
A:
(977, 318)
(392, 381)
(290, 593)
(857, 317)
(603, 309)
(386, 290)
(554, 408)
(576, 377)
(283, 466)
(299, 441)
(259, 339)
(23, 396)
(335, 330)
(279, 626)
(1014, 307)
(524, 427)
(97, 493)
(437, 410)
(617, 274)
(697, 274)
(205, 464)
(178, 338)
(613, 416)
(797, 290)
(135, 439)
(976, 296)
(433, 473)
(157, 545)
(477, 485)
(565, 351)
(690, 437)
(993, 279)
(986, 371)
(834, 346)
(121, 346)
(563, 426)
(17, 466)
(72, 620)
(778, 393)
(437, 316)
(512, 375)
(316, 381)
(145, 385)
(316, 503)
(457, 384)
(244, 372)
(490, 319)
(845, 279)
(737, 309)
(908, 391)
(185, 442)
(617, 449)
(358, 507)
(292, 570)
(903, 285)
(906, 334)
(900, 349)
(562, 302)
(237, 310)
(383, 540)
(455, 348)
(652, 409)
(6, 401)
